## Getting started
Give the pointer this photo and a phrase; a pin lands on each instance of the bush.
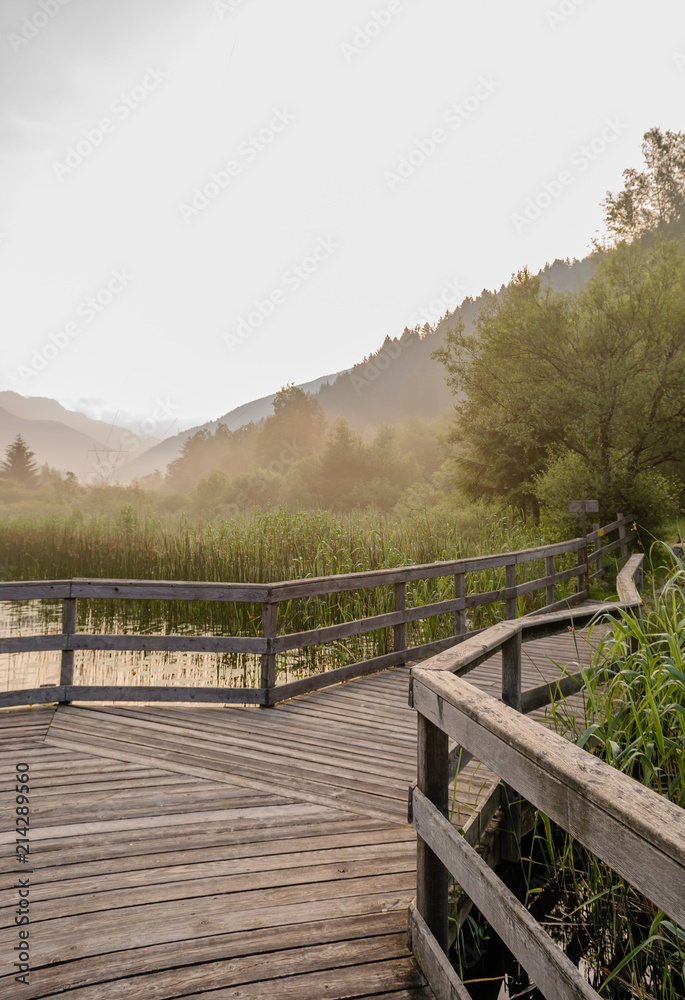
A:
(651, 497)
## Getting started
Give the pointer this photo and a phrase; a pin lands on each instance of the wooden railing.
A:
(271, 643)
(638, 833)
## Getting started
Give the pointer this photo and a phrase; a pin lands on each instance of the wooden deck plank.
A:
(172, 866)
(226, 768)
(106, 971)
(252, 885)
(118, 850)
(239, 971)
(263, 749)
(164, 922)
(271, 728)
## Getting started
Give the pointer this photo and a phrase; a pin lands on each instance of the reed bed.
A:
(270, 545)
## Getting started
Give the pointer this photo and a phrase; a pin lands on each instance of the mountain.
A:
(401, 380)
(42, 408)
(60, 446)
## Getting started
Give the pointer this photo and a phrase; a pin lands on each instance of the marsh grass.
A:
(270, 545)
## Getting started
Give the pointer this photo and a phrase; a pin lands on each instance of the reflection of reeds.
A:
(268, 546)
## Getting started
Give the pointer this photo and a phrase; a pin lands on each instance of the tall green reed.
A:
(633, 719)
(269, 545)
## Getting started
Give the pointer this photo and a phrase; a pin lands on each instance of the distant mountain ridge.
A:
(63, 439)
(43, 408)
(60, 446)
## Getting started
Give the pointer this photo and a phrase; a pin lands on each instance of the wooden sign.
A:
(583, 507)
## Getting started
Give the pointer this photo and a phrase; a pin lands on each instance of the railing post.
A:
(66, 676)
(511, 672)
(269, 632)
(432, 878)
(399, 636)
(599, 565)
(511, 602)
(622, 536)
(460, 594)
(549, 571)
(580, 562)
(510, 842)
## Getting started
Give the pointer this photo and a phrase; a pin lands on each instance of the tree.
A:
(297, 426)
(654, 198)
(599, 374)
(502, 428)
(19, 464)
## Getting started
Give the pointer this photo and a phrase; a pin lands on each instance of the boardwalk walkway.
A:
(226, 852)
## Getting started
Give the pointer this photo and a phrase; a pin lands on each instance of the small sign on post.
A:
(584, 507)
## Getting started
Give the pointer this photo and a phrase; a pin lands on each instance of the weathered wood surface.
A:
(431, 958)
(183, 849)
(544, 961)
(626, 586)
(635, 831)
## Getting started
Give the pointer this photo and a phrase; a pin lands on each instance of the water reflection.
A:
(126, 667)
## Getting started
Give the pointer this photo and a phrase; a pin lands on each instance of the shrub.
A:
(651, 497)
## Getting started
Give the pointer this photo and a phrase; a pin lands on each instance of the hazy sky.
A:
(203, 201)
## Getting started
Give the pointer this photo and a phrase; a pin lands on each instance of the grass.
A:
(270, 545)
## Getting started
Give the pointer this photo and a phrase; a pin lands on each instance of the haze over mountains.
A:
(66, 440)
(398, 382)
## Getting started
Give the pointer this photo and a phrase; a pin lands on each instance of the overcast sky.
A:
(203, 201)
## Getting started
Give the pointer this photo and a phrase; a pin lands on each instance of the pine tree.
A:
(19, 464)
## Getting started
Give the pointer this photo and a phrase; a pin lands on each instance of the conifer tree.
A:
(19, 464)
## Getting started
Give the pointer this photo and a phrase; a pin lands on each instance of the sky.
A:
(205, 200)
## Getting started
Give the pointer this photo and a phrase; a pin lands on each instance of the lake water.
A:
(123, 667)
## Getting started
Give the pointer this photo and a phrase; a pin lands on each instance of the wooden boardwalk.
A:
(188, 851)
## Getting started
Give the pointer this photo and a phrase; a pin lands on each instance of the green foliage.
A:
(264, 546)
(655, 197)
(599, 373)
(296, 427)
(637, 691)
(651, 497)
(293, 457)
(349, 474)
(271, 544)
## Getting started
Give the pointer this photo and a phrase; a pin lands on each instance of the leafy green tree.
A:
(502, 429)
(19, 464)
(231, 451)
(599, 374)
(343, 464)
(653, 198)
(297, 426)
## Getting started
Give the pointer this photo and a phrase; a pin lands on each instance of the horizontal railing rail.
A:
(270, 595)
(638, 833)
